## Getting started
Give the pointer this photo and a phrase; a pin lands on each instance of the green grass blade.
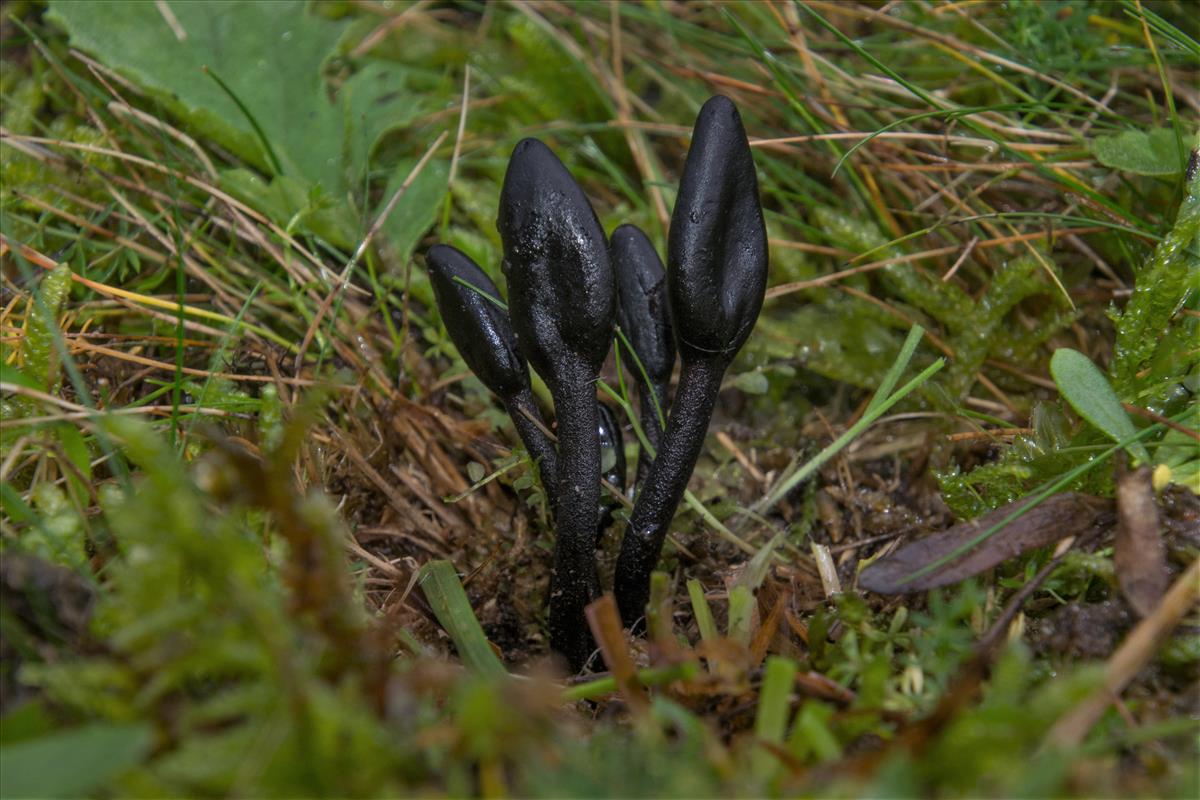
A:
(276, 167)
(785, 485)
(658, 410)
(946, 114)
(741, 614)
(704, 618)
(925, 96)
(648, 676)
(444, 592)
(893, 375)
(774, 705)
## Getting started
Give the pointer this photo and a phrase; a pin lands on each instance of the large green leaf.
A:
(71, 763)
(274, 107)
(269, 54)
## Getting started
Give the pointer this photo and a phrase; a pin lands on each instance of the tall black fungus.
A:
(716, 280)
(561, 301)
(642, 315)
(484, 337)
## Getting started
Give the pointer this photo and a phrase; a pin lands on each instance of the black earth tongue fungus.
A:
(612, 465)
(561, 301)
(716, 280)
(642, 315)
(483, 334)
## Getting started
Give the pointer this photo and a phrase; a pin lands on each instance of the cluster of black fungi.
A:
(568, 285)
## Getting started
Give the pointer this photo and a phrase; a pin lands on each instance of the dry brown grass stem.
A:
(204, 186)
(834, 277)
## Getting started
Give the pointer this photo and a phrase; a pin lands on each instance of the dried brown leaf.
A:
(1139, 556)
(1057, 517)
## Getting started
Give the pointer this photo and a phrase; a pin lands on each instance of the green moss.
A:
(38, 354)
(1147, 324)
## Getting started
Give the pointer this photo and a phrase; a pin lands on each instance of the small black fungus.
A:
(480, 329)
(643, 317)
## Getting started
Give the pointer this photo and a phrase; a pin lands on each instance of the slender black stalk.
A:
(699, 383)
(522, 409)
(575, 582)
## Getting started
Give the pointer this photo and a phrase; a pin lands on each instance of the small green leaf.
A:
(14, 506)
(483, 478)
(608, 460)
(1084, 386)
(75, 446)
(1143, 153)
(753, 382)
(444, 592)
(71, 763)
(813, 733)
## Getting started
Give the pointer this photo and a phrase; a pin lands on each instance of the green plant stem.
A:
(790, 482)
(648, 676)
